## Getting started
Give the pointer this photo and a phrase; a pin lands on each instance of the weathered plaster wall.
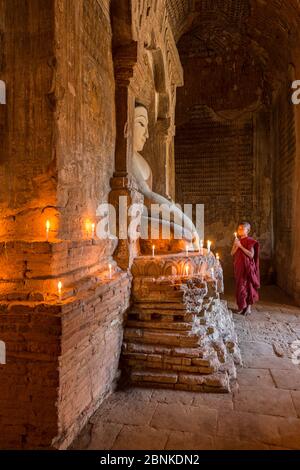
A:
(27, 170)
(285, 184)
(85, 111)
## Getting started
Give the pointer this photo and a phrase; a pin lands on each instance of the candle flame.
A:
(47, 225)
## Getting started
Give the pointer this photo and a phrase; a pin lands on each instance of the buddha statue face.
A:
(141, 133)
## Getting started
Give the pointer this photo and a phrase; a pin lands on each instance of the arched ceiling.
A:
(212, 26)
(256, 34)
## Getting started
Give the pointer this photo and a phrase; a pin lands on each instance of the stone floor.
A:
(263, 412)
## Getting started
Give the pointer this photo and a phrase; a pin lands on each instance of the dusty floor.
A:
(263, 412)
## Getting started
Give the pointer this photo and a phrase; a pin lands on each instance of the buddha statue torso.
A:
(142, 172)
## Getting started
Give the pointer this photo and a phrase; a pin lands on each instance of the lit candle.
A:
(201, 247)
(110, 270)
(235, 234)
(187, 250)
(187, 270)
(87, 228)
(208, 246)
(59, 287)
(153, 250)
(218, 257)
(47, 229)
(93, 231)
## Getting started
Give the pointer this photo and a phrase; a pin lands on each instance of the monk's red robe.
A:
(246, 273)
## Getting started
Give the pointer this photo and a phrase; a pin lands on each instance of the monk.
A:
(246, 269)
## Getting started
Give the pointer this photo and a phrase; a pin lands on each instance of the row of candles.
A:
(90, 229)
(208, 247)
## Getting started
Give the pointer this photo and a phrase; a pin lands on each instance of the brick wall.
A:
(56, 161)
(222, 150)
(284, 183)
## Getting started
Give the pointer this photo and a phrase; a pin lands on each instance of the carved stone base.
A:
(178, 333)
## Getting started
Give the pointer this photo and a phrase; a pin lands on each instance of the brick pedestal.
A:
(179, 334)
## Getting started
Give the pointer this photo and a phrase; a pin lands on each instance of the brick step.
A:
(216, 383)
(196, 366)
(176, 317)
(159, 325)
(158, 307)
(181, 339)
(163, 350)
(140, 365)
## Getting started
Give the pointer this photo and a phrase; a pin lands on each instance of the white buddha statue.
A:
(179, 223)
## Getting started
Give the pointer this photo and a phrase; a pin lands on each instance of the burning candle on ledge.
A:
(218, 257)
(47, 229)
(110, 271)
(59, 288)
(208, 246)
(93, 231)
(187, 269)
(87, 228)
(153, 250)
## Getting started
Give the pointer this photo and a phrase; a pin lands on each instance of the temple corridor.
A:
(149, 158)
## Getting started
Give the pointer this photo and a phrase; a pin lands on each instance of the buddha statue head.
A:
(141, 133)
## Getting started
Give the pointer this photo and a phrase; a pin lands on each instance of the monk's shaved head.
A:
(246, 225)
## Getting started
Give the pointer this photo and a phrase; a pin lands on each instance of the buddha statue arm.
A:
(154, 198)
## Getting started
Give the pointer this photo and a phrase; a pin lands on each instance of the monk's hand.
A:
(237, 243)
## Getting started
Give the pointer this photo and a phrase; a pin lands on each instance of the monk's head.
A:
(141, 133)
(243, 229)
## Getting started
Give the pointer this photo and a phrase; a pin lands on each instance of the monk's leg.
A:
(241, 291)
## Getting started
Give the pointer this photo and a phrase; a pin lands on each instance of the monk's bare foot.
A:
(241, 312)
(248, 310)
